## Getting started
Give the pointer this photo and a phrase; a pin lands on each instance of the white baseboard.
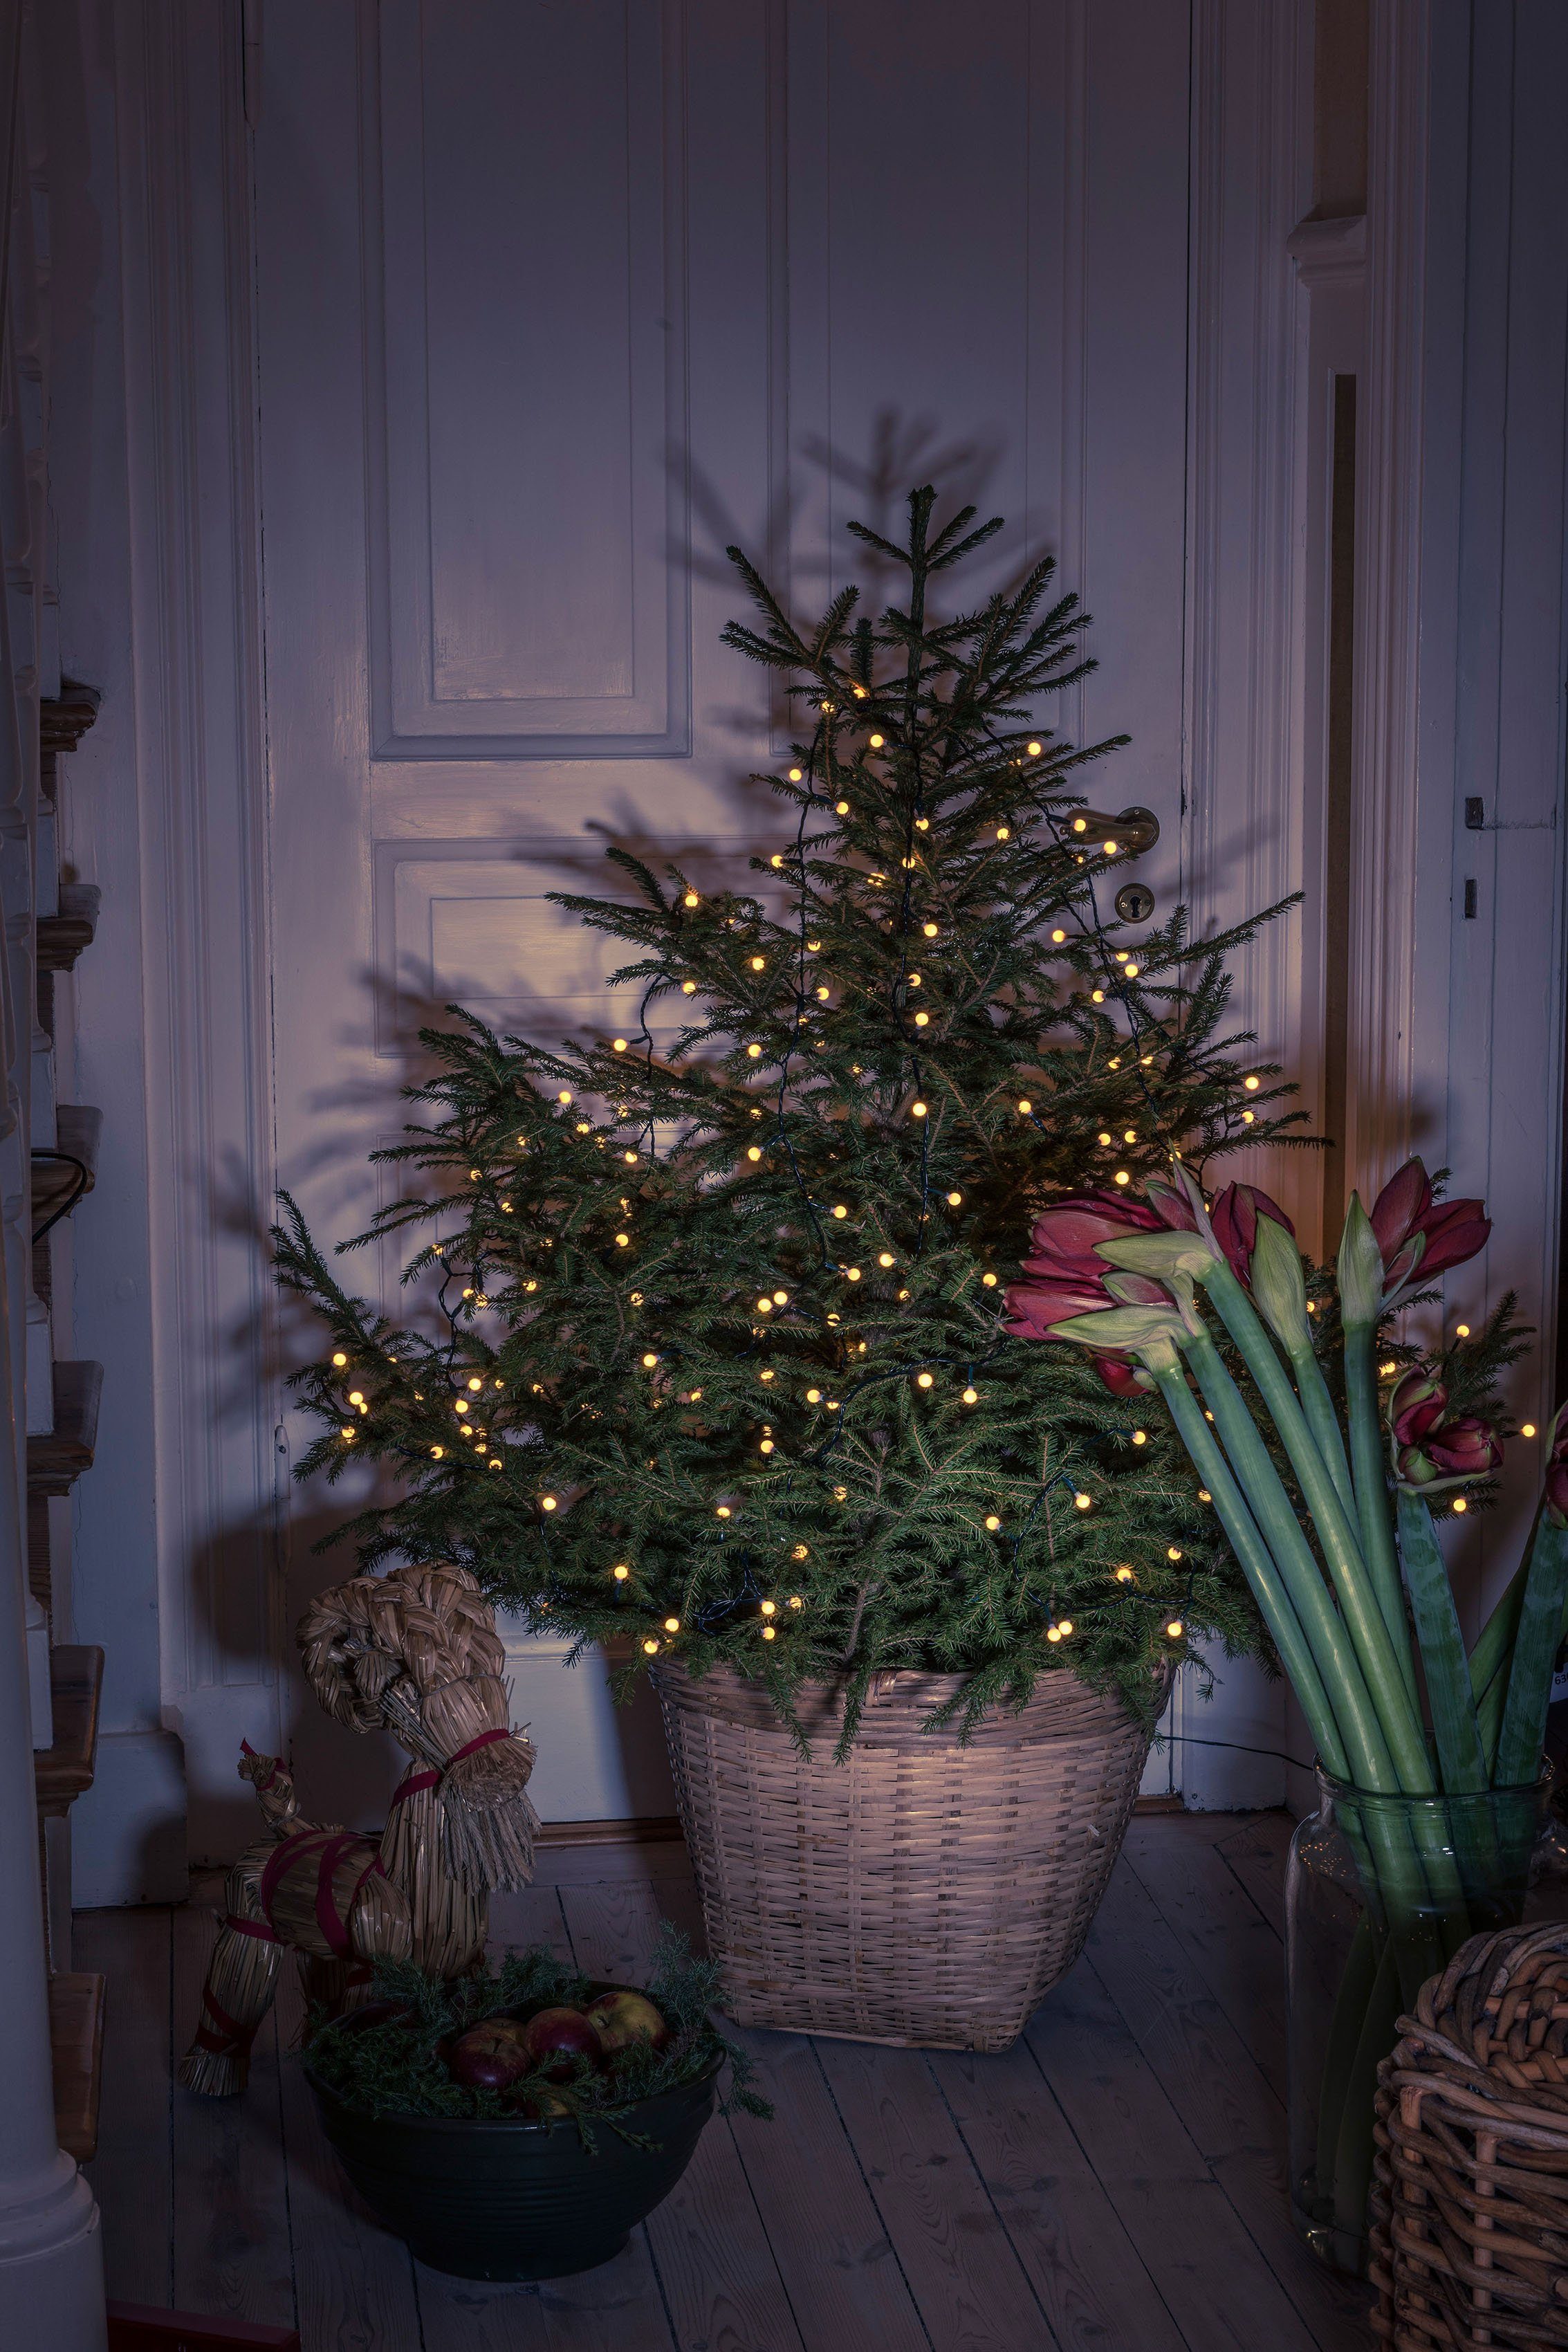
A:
(128, 1831)
(596, 1761)
(1230, 1758)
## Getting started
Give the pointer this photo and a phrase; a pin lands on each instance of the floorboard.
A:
(532, 1916)
(232, 2256)
(131, 2174)
(844, 2279)
(1255, 1854)
(1226, 1938)
(1114, 2183)
(1235, 2119)
(1064, 2227)
(615, 2308)
(1200, 2058)
(968, 2284)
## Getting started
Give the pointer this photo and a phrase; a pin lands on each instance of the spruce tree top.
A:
(706, 1354)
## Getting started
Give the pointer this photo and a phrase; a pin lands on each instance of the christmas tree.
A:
(706, 1345)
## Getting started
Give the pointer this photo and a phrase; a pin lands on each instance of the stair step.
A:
(62, 937)
(55, 1461)
(60, 1773)
(75, 2049)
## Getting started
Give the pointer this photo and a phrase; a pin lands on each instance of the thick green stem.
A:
(1350, 2153)
(1494, 1646)
(1318, 1406)
(1363, 1962)
(1459, 1751)
(1359, 1720)
(1258, 1566)
(1372, 1492)
(1534, 1655)
(1490, 1657)
(1399, 1718)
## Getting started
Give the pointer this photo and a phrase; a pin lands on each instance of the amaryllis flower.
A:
(1123, 1379)
(1418, 1235)
(1234, 1217)
(1435, 1449)
(1064, 1277)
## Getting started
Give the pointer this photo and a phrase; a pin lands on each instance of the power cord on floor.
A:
(1191, 1740)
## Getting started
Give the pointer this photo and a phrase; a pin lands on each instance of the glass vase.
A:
(1381, 1892)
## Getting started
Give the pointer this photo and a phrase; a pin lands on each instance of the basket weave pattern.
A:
(922, 1893)
(1469, 2198)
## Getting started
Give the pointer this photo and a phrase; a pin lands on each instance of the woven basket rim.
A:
(900, 1700)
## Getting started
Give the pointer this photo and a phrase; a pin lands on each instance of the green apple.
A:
(621, 2019)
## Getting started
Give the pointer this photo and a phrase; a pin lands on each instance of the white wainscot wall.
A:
(596, 1761)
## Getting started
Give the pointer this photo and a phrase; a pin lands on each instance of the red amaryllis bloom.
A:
(1405, 1216)
(1123, 1379)
(1234, 1217)
(1433, 1447)
(1064, 1277)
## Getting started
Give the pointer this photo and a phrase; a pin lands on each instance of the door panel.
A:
(525, 367)
(594, 285)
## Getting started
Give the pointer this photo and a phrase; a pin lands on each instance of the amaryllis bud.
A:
(1416, 1401)
(1234, 1217)
(1434, 1450)
(1123, 1379)
(1171, 1205)
(1420, 1236)
(1063, 1277)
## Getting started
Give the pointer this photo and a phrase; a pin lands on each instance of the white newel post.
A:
(51, 2264)
(52, 2259)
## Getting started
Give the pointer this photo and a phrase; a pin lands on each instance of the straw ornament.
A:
(415, 1653)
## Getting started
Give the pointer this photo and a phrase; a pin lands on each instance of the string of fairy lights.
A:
(1119, 971)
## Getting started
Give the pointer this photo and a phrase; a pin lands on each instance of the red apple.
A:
(541, 2107)
(556, 2039)
(621, 2019)
(488, 2056)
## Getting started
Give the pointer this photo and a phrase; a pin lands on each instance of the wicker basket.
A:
(1469, 2198)
(921, 1893)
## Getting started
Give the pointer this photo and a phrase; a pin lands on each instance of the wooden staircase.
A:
(64, 1171)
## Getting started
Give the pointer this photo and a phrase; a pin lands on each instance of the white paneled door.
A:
(554, 298)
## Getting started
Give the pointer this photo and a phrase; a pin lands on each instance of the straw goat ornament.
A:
(415, 1653)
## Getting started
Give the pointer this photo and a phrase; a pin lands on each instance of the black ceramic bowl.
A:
(506, 2198)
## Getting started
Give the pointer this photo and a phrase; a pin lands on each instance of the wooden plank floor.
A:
(1113, 2184)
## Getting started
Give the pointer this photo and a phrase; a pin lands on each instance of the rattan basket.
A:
(921, 1893)
(1469, 2198)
